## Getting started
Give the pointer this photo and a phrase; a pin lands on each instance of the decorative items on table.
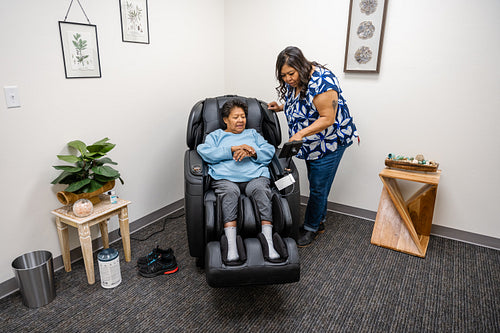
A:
(113, 198)
(417, 163)
(67, 198)
(90, 175)
(83, 208)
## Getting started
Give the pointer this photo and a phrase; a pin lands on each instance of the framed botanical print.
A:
(80, 50)
(134, 18)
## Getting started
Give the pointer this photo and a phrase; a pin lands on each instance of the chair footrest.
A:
(256, 270)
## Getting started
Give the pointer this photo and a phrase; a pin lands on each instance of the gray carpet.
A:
(347, 285)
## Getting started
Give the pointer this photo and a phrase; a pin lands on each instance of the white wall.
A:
(141, 102)
(436, 94)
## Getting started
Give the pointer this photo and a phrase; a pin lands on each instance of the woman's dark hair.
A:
(293, 57)
(231, 104)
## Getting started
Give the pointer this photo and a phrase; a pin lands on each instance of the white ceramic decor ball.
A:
(83, 207)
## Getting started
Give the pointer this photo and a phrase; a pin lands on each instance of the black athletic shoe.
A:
(159, 266)
(154, 254)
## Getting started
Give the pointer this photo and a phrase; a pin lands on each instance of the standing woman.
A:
(317, 115)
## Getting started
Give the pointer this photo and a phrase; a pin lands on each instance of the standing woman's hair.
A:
(293, 57)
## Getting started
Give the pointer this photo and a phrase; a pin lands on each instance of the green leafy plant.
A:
(80, 45)
(89, 172)
(134, 14)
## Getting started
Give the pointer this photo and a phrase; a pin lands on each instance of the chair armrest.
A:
(194, 164)
(194, 202)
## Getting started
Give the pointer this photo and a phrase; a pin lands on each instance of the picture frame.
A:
(134, 21)
(365, 36)
(80, 50)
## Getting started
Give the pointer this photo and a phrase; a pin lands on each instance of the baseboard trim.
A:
(436, 230)
(466, 237)
(10, 286)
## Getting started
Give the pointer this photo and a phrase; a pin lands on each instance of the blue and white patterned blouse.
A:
(301, 113)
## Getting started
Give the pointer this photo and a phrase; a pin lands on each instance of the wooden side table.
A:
(103, 211)
(401, 225)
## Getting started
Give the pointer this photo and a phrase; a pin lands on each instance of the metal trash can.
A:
(35, 277)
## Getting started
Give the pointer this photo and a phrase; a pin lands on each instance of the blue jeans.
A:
(320, 173)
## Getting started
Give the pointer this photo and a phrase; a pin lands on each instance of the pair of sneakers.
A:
(157, 262)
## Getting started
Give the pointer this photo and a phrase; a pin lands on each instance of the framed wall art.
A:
(80, 50)
(365, 34)
(134, 18)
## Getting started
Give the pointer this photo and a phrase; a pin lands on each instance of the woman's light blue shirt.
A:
(216, 151)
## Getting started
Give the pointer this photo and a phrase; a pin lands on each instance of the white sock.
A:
(267, 230)
(232, 250)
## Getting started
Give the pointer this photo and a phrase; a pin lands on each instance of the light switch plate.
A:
(12, 97)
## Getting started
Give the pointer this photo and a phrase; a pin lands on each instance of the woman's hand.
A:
(240, 154)
(242, 151)
(245, 147)
(274, 106)
(296, 137)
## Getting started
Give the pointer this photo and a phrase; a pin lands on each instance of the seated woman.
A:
(238, 159)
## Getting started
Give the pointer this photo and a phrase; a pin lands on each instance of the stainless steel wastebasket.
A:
(35, 277)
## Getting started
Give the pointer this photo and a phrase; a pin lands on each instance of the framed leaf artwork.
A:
(80, 50)
(134, 18)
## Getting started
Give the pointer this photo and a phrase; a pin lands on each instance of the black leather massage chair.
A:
(203, 215)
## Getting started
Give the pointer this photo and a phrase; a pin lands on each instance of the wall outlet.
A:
(12, 97)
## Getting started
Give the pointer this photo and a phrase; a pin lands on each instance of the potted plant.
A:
(90, 173)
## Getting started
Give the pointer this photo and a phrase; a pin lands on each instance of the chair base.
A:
(255, 271)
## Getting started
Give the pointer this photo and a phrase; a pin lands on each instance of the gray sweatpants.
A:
(229, 192)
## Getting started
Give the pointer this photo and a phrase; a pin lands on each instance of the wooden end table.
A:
(103, 211)
(405, 225)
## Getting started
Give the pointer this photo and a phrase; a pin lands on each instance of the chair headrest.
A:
(212, 117)
(206, 117)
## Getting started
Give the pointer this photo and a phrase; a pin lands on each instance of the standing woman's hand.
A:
(297, 137)
(274, 106)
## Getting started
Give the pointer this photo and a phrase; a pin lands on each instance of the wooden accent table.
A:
(401, 225)
(103, 211)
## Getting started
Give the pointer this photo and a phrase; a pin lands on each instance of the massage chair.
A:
(203, 211)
